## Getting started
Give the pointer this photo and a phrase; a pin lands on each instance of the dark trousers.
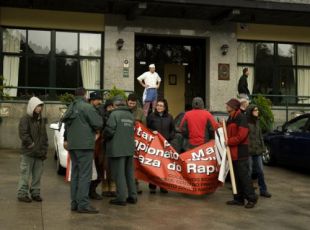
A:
(81, 174)
(244, 184)
(99, 168)
(123, 176)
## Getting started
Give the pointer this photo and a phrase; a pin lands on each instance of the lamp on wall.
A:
(224, 49)
(120, 43)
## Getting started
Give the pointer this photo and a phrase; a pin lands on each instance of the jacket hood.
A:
(32, 104)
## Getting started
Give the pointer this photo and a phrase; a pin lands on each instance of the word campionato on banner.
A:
(198, 171)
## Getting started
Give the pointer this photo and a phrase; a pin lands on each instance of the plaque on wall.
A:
(223, 71)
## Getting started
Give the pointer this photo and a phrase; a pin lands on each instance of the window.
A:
(277, 69)
(297, 125)
(50, 59)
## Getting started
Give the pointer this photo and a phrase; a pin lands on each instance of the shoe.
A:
(235, 202)
(118, 202)
(37, 198)
(88, 210)
(132, 200)
(139, 192)
(162, 190)
(95, 196)
(74, 209)
(152, 191)
(113, 194)
(25, 199)
(250, 204)
(265, 194)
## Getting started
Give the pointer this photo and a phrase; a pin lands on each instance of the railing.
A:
(50, 95)
(287, 103)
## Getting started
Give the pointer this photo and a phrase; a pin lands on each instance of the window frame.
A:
(52, 55)
(276, 65)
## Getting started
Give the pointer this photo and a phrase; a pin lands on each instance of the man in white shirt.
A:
(150, 80)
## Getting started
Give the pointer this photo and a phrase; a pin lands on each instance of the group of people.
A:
(104, 133)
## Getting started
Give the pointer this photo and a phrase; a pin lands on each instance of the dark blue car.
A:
(290, 144)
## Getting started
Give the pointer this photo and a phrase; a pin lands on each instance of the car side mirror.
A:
(54, 126)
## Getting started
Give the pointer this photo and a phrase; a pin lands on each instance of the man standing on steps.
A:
(83, 124)
(150, 80)
(243, 89)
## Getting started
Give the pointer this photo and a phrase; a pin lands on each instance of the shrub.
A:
(115, 92)
(266, 115)
(66, 98)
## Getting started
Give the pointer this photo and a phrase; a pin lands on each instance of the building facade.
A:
(199, 49)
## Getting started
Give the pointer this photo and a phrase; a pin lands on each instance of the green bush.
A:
(266, 115)
(66, 98)
(115, 92)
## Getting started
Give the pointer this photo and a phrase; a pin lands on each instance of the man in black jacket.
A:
(243, 83)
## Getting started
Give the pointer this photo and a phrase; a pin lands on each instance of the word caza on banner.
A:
(192, 172)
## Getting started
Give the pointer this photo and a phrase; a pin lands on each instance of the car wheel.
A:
(60, 170)
(268, 157)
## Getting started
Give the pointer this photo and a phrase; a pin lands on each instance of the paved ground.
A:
(289, 208)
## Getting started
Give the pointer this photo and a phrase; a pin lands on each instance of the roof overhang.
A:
(216, 12)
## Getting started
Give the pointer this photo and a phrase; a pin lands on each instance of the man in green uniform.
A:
(138, 115)
(119, 134)
(95, 99)
(83, 124)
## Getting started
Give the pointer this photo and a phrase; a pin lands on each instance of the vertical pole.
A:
(231, 168)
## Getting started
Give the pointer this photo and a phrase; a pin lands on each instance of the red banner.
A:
(192, 172)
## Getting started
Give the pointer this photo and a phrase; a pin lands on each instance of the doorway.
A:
(181, 64)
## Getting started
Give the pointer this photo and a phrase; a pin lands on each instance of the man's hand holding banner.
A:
(198, 171)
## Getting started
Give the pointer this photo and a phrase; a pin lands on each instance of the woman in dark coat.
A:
(256, 148)
(160, 121)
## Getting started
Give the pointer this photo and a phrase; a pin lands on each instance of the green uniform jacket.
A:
(32, 132)
(82, 121)
(119, 133)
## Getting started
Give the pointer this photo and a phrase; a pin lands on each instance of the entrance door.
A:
(174, 87)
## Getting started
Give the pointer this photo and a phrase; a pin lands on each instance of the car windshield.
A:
(297, 126)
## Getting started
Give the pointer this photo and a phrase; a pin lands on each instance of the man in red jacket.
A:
(237, 140)
(197, 125)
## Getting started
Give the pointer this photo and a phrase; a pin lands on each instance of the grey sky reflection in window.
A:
(39, 41)
(66, 43)
(90, 44)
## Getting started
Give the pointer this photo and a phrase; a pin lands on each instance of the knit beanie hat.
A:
(198, 103)
(234, 103)
(80, 91)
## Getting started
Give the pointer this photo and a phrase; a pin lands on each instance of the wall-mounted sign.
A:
(126, 68)
(223, 71)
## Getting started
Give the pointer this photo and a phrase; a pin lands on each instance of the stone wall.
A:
(217, 92)
(9, 127)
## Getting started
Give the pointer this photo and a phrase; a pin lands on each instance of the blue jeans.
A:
(256, 166)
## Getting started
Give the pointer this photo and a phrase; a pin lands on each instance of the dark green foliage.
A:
(266, 115)
(66, 98)
(115, 92)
